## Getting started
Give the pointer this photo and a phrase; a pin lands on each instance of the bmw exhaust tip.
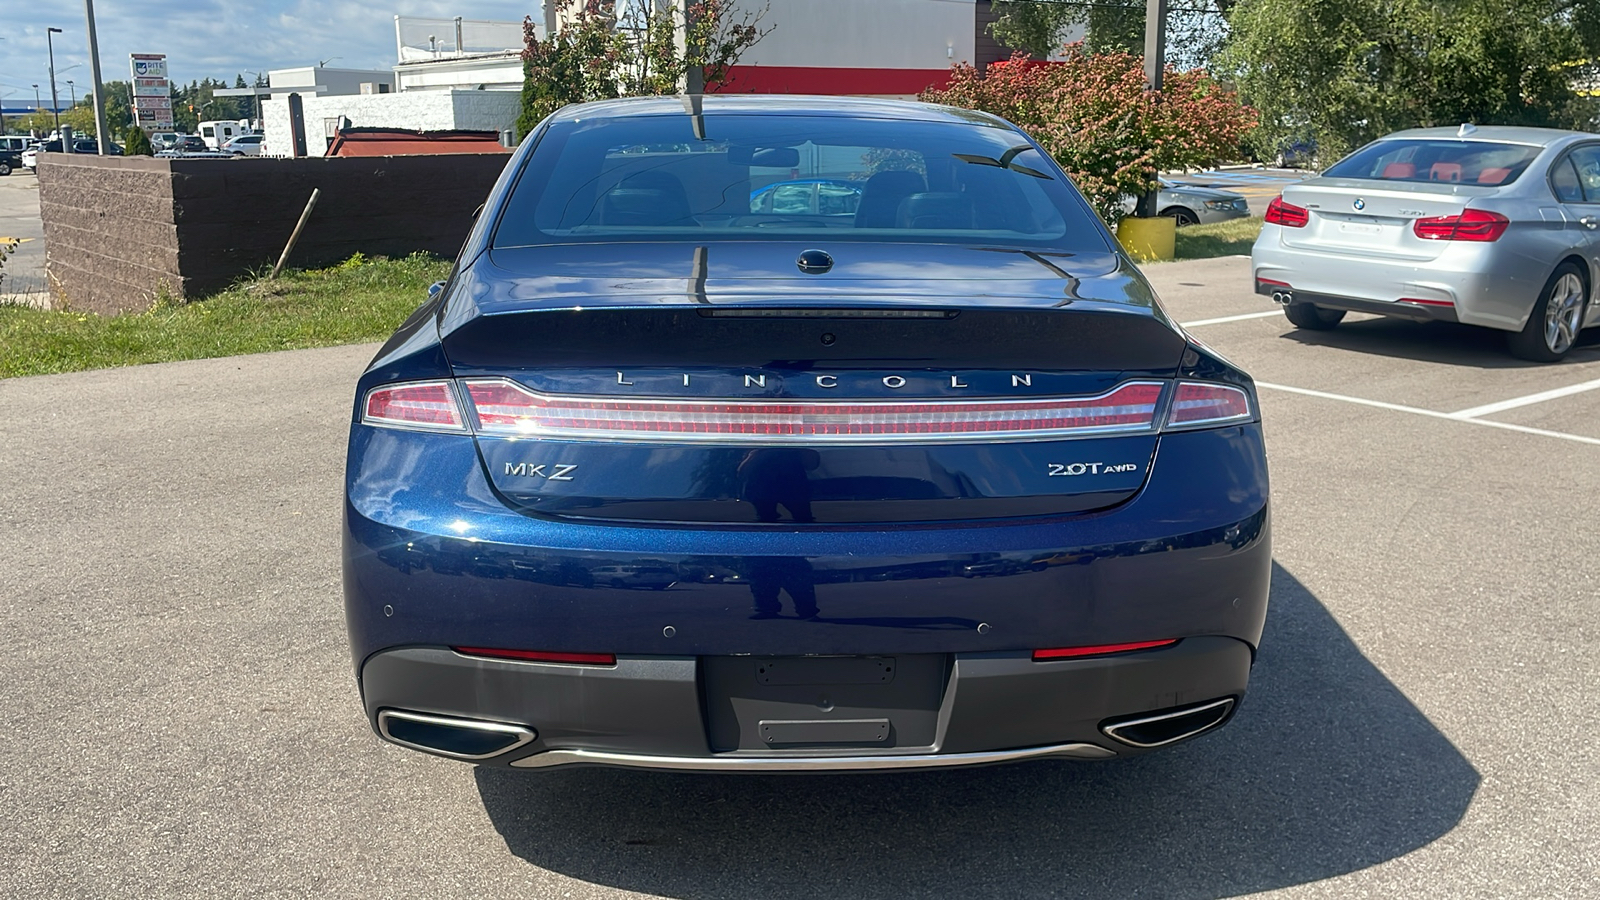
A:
(1169, 726)
(1283, 298)
(450, 736)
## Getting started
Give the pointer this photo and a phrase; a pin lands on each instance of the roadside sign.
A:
(152, 92)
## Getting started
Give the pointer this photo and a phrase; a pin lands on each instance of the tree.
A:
(135, 142)
(1196, 28)
(1343, 72)
(599, 55)
(1092, 112)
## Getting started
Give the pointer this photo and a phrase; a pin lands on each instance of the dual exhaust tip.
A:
(1283, 298)
(475, 739)
(1169, 726)
(457, 738)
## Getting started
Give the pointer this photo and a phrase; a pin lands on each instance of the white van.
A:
(215, 134)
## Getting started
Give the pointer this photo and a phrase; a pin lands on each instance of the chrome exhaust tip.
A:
(1283, 298)
(1170, 725)
(450, 736)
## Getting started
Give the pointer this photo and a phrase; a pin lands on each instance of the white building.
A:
(460, 74)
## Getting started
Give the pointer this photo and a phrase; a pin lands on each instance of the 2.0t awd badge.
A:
(1090, 468)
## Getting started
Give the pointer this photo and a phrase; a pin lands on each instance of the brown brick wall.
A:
(118, 231)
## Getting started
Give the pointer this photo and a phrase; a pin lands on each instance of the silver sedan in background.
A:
(1490, 226)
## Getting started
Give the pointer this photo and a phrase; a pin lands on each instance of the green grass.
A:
(359, 300)
(1230, 238)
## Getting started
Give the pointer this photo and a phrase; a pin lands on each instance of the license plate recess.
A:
(767, 703)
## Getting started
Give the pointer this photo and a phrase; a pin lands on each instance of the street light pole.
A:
(55, 102)
(102, 134)
(72, 95)
(35, 107)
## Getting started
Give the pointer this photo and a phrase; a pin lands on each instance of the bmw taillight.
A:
(504, 407)
(1478, 225)
(1286, 214)
(429, 405)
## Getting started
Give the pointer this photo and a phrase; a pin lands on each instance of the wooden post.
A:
(310, 205)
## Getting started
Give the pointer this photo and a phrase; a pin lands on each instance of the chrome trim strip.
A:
(525, 736)
(1225, 702)
(731, 763)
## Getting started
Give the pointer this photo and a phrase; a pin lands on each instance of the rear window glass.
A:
(783, 177)
(1441, 159)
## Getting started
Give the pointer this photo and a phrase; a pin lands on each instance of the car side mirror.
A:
(434, 289)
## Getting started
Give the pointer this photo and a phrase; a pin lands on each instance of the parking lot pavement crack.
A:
(1433, 414)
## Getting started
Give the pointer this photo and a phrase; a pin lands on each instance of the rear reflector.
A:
(418, 404)
(507, 408)
(582, 659)
(1477, 225)
(1207, 404)
(1426, 302)
(1287, 214)
(1098, 650)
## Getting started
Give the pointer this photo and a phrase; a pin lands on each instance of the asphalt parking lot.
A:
(182, 718)
(23, 274)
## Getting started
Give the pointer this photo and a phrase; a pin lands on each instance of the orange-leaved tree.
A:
(1091, 111)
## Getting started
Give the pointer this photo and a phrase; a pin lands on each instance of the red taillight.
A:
(581, 659)
(1098, 650)
(421, 404)
(1287, 214)
(507, 408)
(1207, 404)
(1471, 225)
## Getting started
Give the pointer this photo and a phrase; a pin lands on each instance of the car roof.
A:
(779, 105)
(1514, 134)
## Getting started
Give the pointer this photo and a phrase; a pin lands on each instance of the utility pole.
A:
(102, 134)
(55, 102)
(1155, 66)
(72, 95)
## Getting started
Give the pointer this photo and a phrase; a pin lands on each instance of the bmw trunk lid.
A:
(1374, 218)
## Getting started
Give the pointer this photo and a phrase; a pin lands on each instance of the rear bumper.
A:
(1475, 284)
(1419, 312)
(652, 712)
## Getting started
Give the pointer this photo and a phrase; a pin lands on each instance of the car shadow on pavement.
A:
(1326, 769)
(1436, 342)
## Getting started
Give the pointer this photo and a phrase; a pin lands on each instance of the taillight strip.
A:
(1098, 649)
(504, 407)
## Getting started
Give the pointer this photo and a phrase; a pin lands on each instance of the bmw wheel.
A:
(1553, 325)
(5, 168)
(1313, 317)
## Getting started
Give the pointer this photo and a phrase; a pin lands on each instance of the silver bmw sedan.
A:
(1490, 226)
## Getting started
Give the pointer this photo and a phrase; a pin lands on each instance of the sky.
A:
(212, 38)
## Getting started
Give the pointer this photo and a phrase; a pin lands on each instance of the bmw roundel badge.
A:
(1360, 203)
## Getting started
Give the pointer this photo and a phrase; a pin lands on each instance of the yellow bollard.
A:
(1147, 240)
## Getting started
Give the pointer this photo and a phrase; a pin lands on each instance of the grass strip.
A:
(1231, 238)
(358, 300)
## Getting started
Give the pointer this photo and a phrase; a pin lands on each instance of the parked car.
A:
(1194, 204)
(9, 161)
(813, 196)
(30, 157)
(1295, 153)
(164, 140)
(244, 145)
(659, 480)
(1490, 226)
(16, 143)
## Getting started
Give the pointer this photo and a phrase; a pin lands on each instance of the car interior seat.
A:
(881, 197)
(935, 210)
(651, 198)
(1493, 175)
(1445, 172)
(1400, 170)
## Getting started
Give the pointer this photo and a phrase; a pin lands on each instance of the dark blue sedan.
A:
(656, 479)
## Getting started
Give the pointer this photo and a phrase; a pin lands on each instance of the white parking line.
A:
(1489, 409)
(1239, 318)
(1451, 417)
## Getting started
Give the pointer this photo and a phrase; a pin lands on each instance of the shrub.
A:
(1091, 111)
(136, 143)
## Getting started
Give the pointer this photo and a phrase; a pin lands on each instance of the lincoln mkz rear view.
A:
(665, 478)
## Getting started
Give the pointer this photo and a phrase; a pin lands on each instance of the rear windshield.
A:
(777, 177)
(1440, 159)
